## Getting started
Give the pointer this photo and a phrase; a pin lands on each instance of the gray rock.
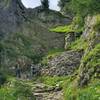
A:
(70, 37)
(64, 64)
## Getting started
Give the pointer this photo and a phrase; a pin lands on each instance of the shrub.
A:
(16, 89)
(85, 7)
(45, 4)
(97, 24)
(2, 79)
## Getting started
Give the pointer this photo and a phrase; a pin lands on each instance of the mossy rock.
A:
(89, 66)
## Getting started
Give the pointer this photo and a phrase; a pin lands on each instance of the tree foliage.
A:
(45, 4)
(2, 79)
(62, 3)
(85, 7)
(81, 7)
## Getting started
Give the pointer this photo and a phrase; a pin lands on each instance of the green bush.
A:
(85, 7)
(2, 79)
(16, 89)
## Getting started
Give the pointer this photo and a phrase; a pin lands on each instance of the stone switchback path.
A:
(44, 92)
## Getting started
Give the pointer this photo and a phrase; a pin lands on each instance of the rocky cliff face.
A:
(12, 15)
(20, 26)
(15, 15)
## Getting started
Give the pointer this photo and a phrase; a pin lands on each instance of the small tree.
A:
(45, 4)
(62, 3)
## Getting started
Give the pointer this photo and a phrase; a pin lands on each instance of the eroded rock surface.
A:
(63, 64)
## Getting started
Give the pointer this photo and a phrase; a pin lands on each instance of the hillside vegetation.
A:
(66, 57)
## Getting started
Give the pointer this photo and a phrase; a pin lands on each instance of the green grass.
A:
(93, 57)
(97, 24)
(53, 81)
(62, 29)
(65, 29)
(14, 89)
(90, 92)
(79, 44)
(75, 26)
(51, 54)
(70, 89)
(91, 62)
(23, 89)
